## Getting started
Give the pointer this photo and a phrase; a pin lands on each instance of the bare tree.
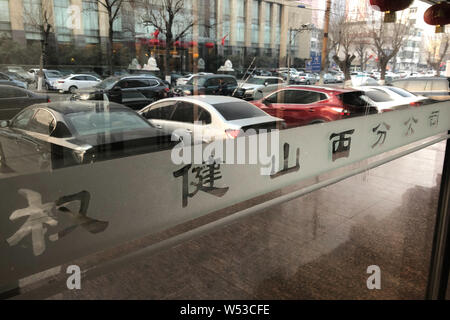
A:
(39, 16)
(388, 38)
(437, 49)
(362, 46)
(170, 18)
(343, 36)
(113, 8)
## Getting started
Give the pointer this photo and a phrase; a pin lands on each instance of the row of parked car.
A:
(85, 130)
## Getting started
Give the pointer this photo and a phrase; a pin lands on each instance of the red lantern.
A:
(209, 45)
(438, 15)
(177, 44)
(153, 42)
(389, 7)
(192, 44)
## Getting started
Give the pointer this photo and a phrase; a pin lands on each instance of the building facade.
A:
(250, 27)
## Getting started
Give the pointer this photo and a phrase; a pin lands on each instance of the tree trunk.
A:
(110, 47)
(383, 65)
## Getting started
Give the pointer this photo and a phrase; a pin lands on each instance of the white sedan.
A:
(390, 98)
(211, 117)
(76, 81)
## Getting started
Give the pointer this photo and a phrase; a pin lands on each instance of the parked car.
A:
(213, 117)
(303, 105)
(14, 99)
(183, 80)
(259, 87)
(51, 77)
(60, 134)
(211, 84)
(399, 97)
(76, 81)
(381, 99)
(305, 78)
(19, 71)
(135, 92)
(8, 80)
(436, 88)
(329, 78)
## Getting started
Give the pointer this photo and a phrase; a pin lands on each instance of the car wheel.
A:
(72, 89)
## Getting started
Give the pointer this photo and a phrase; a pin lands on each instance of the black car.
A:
(211, 84)
(14, 99)
(60, 134)
(135, 92)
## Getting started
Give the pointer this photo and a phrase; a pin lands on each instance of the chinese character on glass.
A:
(43, 215)
(409, 123)
(434, 118)
(205, 178)
(381, 132)
(286, 168)
(341, 145)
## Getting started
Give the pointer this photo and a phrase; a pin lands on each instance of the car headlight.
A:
(85, 96)
(250, 91)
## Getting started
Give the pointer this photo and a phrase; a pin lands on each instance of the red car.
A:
(301, 105)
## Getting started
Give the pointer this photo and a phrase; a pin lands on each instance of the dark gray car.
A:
(14, 99)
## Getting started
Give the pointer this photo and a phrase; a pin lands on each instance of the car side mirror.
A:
(5, 124)
(266, 102)
(116, 88)
(266, 84)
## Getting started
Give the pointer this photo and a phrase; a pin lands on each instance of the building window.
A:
(5, 25)
(90, 21)
(63, 33)
(226, 17)
(240, 25)
(267, 23)
(255, 21)
(32, 18)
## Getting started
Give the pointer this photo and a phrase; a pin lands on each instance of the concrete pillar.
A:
(284, 32)
(273, 25)
(233, 22)
(17, 23)
(248, 23)
(219, 22)
(262, 13)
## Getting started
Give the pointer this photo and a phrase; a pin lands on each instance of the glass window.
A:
(42, 122)
(92, 123)
(161, 111)
(184, 112)
(4, 11)
(378, 96)
(22, 119)
(238, 110)
(401, 92)
(12, 92)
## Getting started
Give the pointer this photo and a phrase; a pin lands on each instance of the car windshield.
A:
(106, 84)
(238, 110)
(197, 81)
(87, 123)
(256, 81)
(401, 92)
(53, 74)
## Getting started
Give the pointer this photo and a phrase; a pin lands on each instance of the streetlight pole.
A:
(325, 42)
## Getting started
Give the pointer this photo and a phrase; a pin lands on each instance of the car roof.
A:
(209, 99)
(420, 78)
(67, 107)
(81, 74)
(215, 75)
(322, 89)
